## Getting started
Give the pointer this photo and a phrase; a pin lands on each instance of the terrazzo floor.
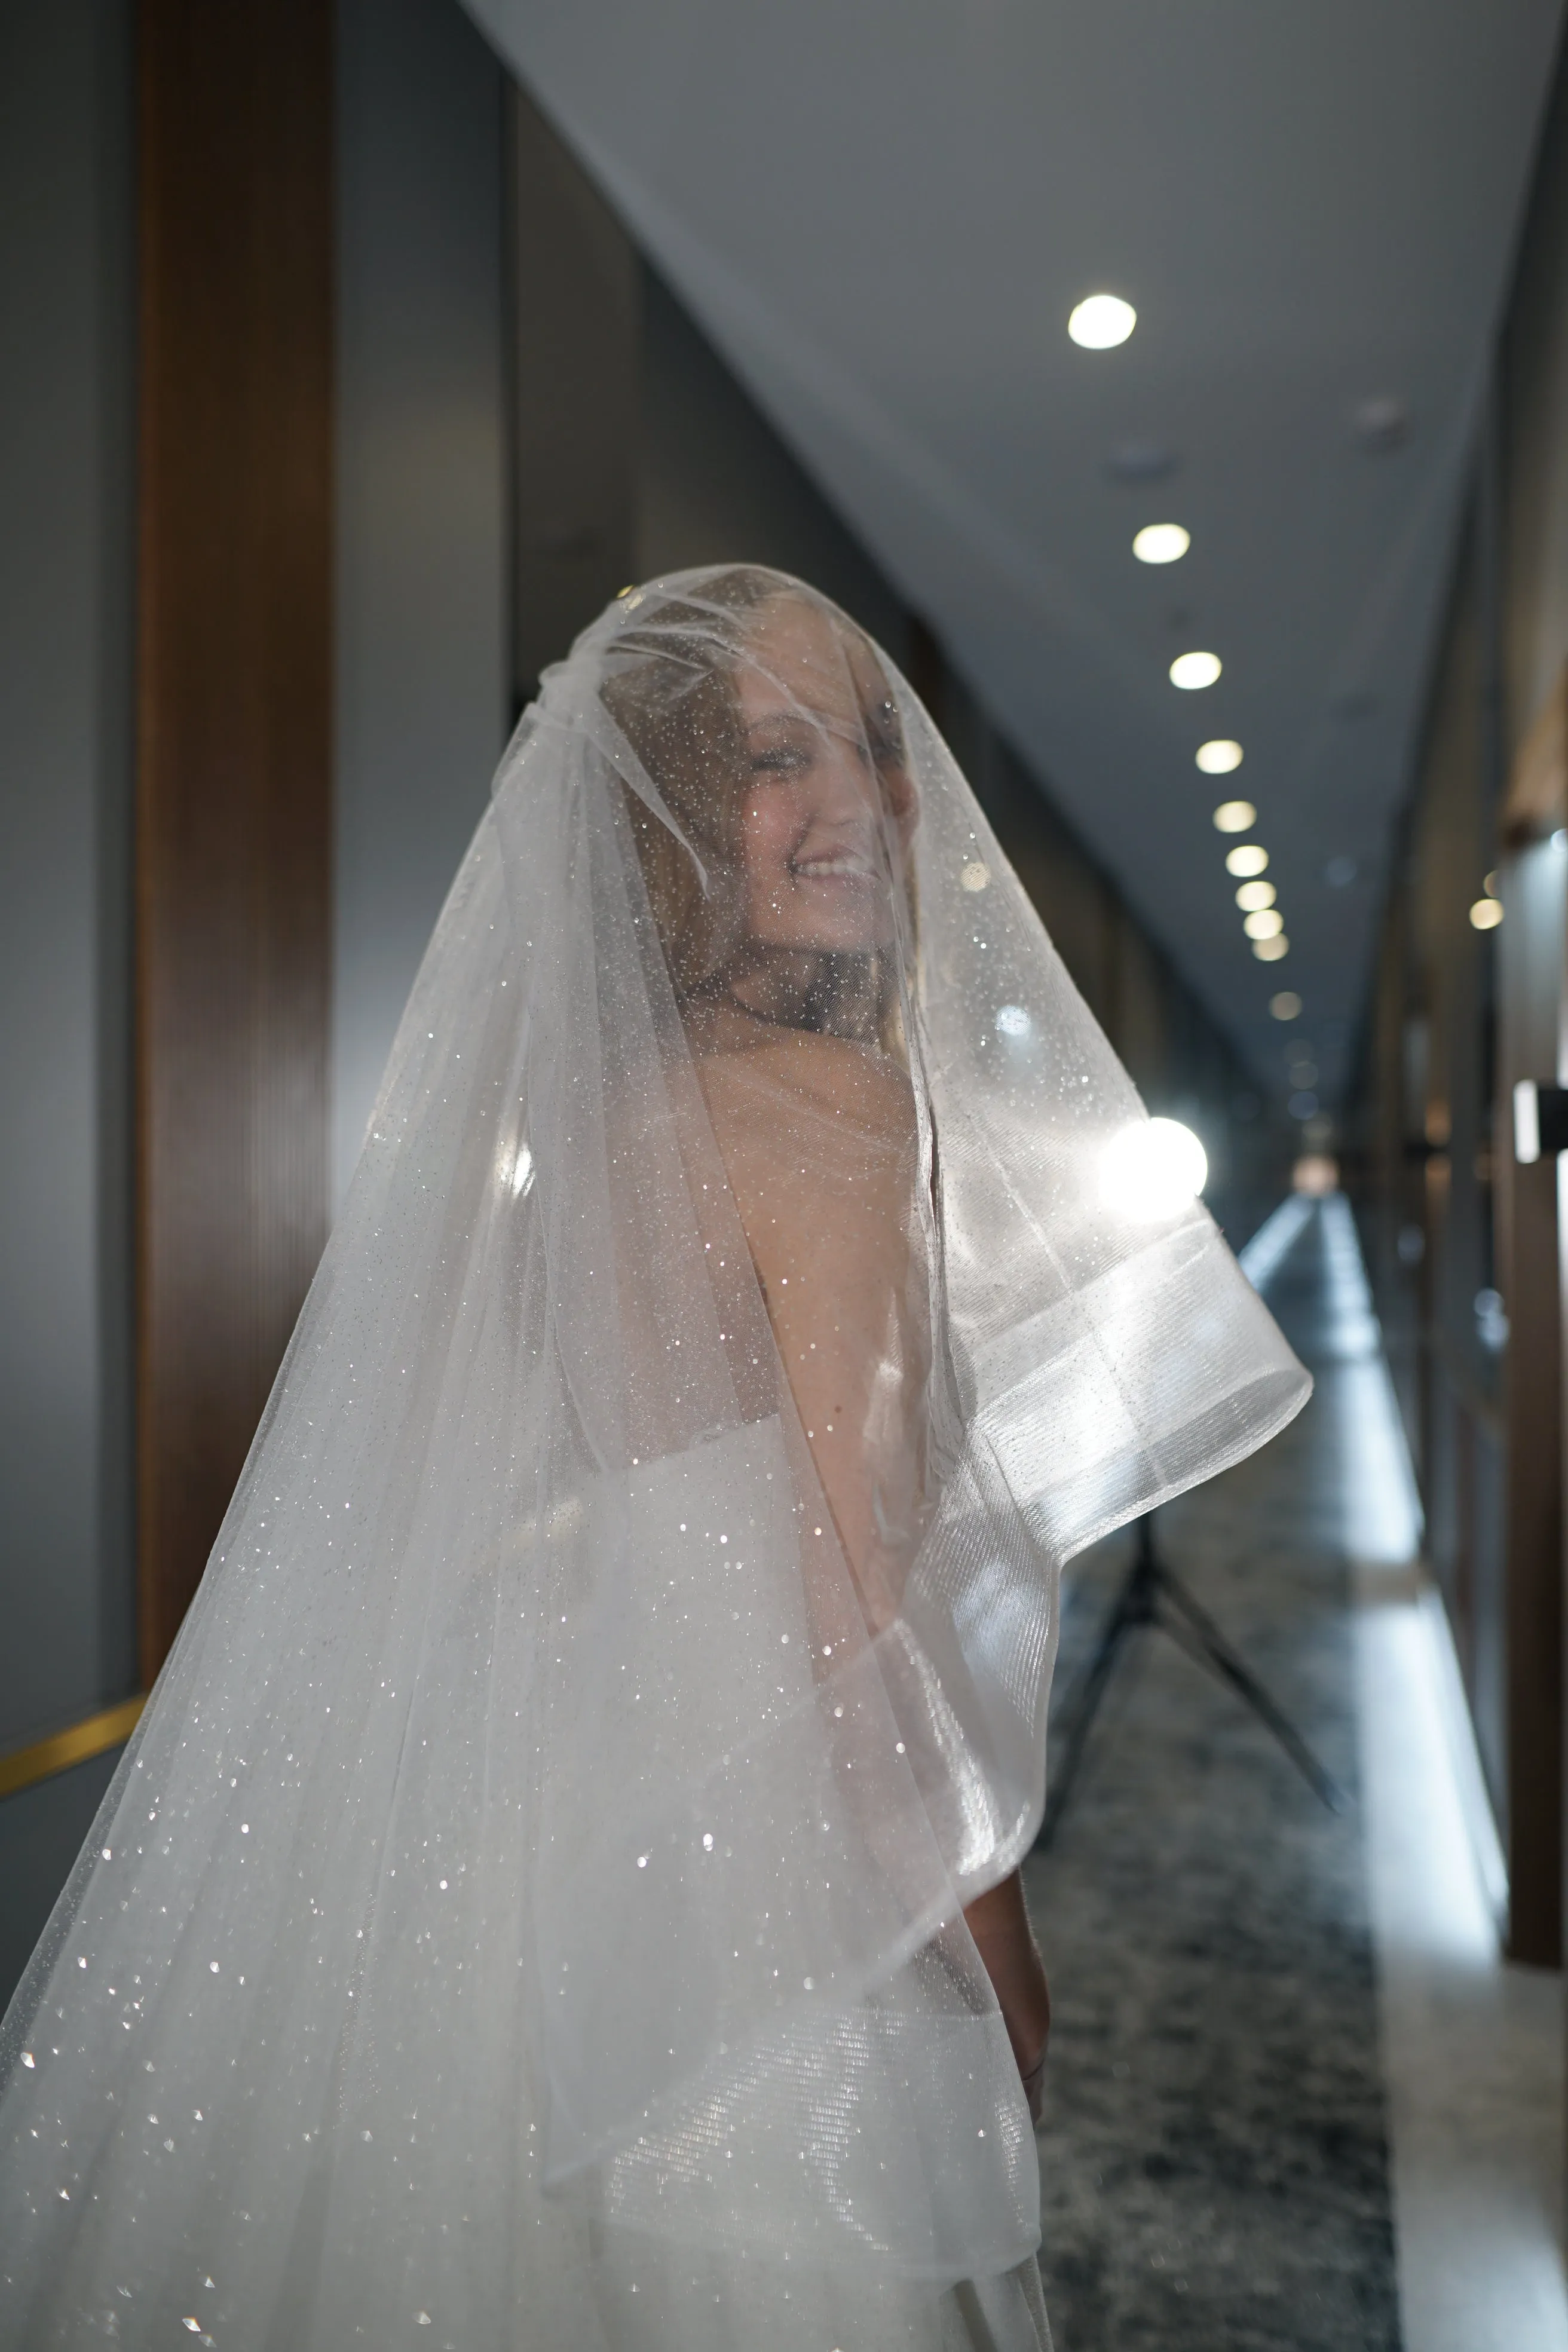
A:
(1216, 2157)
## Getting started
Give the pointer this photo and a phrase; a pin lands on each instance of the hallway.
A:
(1172, 406)
(1296, 2100)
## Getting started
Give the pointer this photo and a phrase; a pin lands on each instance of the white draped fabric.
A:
(530, 1913)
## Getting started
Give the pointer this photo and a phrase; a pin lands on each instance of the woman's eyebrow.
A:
(851, 725)
(784, 728)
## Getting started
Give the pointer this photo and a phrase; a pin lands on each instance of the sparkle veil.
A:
(530, 1913)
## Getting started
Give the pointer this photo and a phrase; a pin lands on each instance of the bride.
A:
(563, 1891)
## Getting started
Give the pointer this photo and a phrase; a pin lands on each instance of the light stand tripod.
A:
(1152, 1594)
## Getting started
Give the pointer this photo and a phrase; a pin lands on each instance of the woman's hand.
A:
(1000, 1926)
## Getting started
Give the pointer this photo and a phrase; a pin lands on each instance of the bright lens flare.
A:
(1153, 1169)
(1235, 817)
(516, 1170)
(1102, 322)
(1161, 542)
(1487, 914)
(1270, 950)
(1253, 896)
(1247, 858)
(1220, 757)
(1267, 924)
(1286, 1006)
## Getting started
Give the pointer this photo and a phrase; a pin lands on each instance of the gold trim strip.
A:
(26, 1766)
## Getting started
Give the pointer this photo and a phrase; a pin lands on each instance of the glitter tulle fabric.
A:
(529, 1913)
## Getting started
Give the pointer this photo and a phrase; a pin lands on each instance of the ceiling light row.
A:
(1167, 542)
(1100, 322)
(1247, 864)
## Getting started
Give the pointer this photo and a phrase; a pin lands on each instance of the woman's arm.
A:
(1000, 1926)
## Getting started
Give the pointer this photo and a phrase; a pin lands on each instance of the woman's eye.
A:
(898, 795)
(780, 760)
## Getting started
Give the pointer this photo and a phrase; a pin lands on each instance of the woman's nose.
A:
(845, 794)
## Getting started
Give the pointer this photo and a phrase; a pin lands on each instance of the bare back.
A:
(818, 1141)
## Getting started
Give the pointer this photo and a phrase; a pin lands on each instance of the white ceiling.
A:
(882, 211)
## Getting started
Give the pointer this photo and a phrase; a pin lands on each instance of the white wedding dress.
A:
(530, 1913)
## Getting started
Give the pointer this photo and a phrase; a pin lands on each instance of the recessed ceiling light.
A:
(1220, 757)
(1286, 1006)
(1270, 950)
(1267, 924)
(1191, 671)
(1253, 896)
(1102, 322)
(1248, 857)
(1487, 914)
(1235, 817)
(1161, 542)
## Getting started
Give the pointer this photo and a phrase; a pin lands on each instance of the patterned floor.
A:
(1214, 2156)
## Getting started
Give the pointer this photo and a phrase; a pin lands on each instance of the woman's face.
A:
(828, 808)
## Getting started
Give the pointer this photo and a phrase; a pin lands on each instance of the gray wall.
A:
(66, 399)
(718, 485)
(422, 682)
(65, 786)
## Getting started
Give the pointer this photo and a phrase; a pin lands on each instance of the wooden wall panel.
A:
(234, 743)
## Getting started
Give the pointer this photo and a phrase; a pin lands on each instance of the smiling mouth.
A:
(838, 866)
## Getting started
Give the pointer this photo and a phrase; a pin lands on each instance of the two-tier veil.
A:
(530, 1913)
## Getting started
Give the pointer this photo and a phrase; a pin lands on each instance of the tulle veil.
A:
(530, 1910)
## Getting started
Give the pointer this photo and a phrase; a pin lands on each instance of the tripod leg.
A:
(1085, 1706)
(1198, 1634)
